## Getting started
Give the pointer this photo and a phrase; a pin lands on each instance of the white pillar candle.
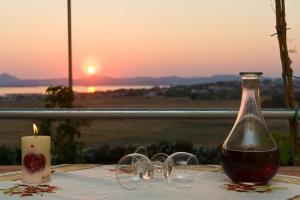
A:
(36, 159)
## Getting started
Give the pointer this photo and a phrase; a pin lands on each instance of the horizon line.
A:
(141, 76)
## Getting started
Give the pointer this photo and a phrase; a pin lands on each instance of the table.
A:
(93, 182)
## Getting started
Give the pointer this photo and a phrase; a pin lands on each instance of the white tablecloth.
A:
(100, 183)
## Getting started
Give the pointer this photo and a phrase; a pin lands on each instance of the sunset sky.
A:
(144, 38)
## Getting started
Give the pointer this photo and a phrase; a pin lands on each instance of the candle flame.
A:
(35, 130)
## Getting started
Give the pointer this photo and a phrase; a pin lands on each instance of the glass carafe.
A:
(249, 153)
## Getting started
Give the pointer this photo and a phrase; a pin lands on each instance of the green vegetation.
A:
(65, 148)
(10, 156)
(107, 154)
(287, 155)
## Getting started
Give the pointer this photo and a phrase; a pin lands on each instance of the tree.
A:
(287, 72)
(65, 148)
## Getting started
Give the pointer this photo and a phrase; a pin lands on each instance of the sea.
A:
(80, 89)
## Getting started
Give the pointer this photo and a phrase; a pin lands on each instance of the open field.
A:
(210, 133)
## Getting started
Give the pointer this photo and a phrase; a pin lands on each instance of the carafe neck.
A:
(250, 103)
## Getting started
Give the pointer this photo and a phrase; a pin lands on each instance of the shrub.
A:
(10, 156)
(111, 155)
(287, 155)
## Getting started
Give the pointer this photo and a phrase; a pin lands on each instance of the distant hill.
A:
(6, 78)
(9, 80)
(167, 80)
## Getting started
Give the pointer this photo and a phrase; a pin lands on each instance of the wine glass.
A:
(142, 150)
(158, 164)
(178, 169)
(158, 161)
(134, 171)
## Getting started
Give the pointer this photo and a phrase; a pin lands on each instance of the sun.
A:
(91, 70)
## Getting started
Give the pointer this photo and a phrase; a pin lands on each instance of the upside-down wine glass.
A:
(136, 170)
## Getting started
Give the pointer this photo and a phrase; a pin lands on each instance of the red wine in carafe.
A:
(250, 166)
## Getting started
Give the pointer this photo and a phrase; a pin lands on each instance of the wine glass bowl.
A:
(158, 161)
(178, 169)
(134, 171)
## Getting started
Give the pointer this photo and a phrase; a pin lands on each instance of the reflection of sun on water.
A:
(91, 89)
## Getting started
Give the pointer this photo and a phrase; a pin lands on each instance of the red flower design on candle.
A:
(34, 162)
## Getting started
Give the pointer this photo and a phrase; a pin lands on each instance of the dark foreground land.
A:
(207, 133)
